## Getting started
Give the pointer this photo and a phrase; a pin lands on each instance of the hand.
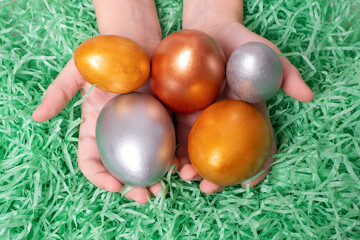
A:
(136, 20)
(68, 82)
(222, 21)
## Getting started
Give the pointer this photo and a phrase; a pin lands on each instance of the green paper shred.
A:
(312, 191)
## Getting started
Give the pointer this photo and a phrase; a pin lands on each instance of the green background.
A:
(312, 192)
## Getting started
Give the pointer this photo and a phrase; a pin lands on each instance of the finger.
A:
(64, 87)
(209, 187)
(156, 189)
(293, 84)
(188, 173)
(95, 172)
(138, 194)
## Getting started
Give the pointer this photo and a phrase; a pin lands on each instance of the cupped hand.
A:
(64, 87)
(229, 33)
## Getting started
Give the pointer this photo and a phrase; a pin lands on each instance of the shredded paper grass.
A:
(312, 191)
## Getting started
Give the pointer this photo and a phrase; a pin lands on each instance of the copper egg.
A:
(187, 71)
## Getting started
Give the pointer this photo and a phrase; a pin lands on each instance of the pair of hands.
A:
(229, 33)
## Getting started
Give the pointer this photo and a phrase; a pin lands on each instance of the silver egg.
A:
(136, 138)
(254, 72)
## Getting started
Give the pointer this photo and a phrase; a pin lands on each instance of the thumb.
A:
(64, 87)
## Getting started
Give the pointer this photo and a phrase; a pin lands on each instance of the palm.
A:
(229, 37)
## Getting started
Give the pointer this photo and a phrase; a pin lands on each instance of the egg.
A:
(254, 72)
(187, 71)
(136, 138)
(116, 64)
(229, 142)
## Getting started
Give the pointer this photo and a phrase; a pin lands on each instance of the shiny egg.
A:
(136, 138)
(116, 64)
(187, 71)
(254, 72)
(229, 142)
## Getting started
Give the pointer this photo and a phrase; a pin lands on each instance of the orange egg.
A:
(229, 142)
(187, 71)
(114, 63)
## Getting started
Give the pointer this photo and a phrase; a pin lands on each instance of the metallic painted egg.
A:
(229, 142)
(254, 72)
(115, 64)
(136, 139)
(187, 71)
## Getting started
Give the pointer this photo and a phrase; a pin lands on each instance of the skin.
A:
(137, 20)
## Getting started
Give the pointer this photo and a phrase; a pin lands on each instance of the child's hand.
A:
(57, 95)
(136, 20)
(222, 21)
